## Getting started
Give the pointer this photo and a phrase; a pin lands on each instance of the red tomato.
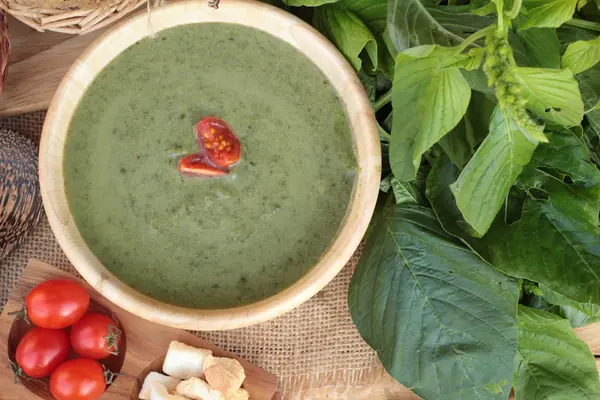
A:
(95, 336)
(196, 165)
(78, 379)
(56, 304)
(221, 146)
(41, 350)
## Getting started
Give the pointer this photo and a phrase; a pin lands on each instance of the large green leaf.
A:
(429, 99)
(581, 55)
(418, 22)
(542, 45)
(478, 117)
(589, 85)
(567, 154)
(591, 141)
(552, 363)
(485, 182)
(578, 314)
(589, 80)
(461, 142)
(547, 13)
(443, 173)
(456, 144)
(372, 12)
(350, 35)
(369, 83)
(594, 119)
(556, 242)
(552, 94)
(406, 193)
(442, 321)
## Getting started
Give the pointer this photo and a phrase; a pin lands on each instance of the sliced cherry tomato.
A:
(41, 350)
(95, 336)
(78, 379)
(56, 304)
(197, 165)
(221, 146)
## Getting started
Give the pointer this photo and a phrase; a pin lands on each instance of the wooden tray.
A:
(146, 342)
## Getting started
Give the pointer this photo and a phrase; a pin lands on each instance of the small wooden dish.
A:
(145, 347)
(39, 387)
(256, 15)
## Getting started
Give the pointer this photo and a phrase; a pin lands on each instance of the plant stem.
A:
(516, 7)
(500, 12)
(581, 23)
(473, 38)
(383, 100)
(383, 135)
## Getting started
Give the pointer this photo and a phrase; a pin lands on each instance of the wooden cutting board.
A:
(146, 345)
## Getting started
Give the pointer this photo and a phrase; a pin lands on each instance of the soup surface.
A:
(209, 242)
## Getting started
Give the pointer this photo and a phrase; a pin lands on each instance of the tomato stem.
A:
(110, 376)
(18, 373)
(112, 339)
(22, 313)
(16, 370)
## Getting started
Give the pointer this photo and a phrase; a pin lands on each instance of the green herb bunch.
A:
(484, 251)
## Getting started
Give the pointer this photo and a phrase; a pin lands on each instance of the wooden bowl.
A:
(260, 16)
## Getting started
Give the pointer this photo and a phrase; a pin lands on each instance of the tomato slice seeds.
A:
(220, 144)
(221, 150)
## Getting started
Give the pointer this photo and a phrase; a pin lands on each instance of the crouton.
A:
(158, 391)
(169, 383)
(240, 394)
(198, 389)
(224, 374)
(183, 361)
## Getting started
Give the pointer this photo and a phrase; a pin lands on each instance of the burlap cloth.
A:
(315, 346)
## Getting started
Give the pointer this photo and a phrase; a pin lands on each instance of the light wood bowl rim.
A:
(250, 13)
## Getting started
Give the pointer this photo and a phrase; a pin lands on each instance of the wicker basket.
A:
(74, 21)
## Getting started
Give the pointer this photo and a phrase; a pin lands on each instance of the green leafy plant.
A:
(485, 250)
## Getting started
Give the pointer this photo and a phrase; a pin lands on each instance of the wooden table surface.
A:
(37, 65)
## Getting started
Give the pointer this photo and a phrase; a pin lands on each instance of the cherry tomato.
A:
(78, 379)
(41, 350)
(95, 336)
(56, 304)
(196, 165)
(221, 146)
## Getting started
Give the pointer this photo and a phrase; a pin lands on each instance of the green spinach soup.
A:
(209, 242)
